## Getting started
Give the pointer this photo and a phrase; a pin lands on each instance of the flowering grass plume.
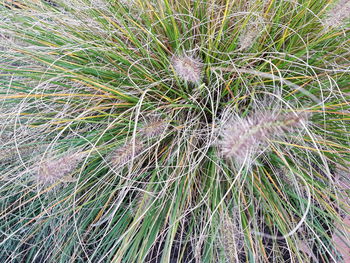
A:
(53, 170)
(124, 154)
(338, 14)
(244, 138)
(153, 127)
(187, 68)
(232, 238)
(249, 35)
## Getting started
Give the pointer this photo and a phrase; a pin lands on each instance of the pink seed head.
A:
(187, 68)
(154, 127)
(248, 37)
(49, 171)
(242, 138)
(338, 14)
(123, 154)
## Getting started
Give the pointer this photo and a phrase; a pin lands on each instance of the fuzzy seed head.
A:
(187, 68)
(123, 154)
(154, 128)
(49, 171)
(231, 237)
(338, 14)
(244, 138)
(248, 37)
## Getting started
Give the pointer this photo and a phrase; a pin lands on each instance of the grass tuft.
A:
(174, 131)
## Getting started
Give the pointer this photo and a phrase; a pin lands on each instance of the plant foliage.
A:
(173, 130)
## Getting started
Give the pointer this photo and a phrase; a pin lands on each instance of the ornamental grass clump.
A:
(173, 131)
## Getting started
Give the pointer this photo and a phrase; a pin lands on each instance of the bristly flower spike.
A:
(123, 154)
(337, 15)
(187, 68)
(232, 237)
(248, 37)
(243, 138)
(50, 171)
(153, 127)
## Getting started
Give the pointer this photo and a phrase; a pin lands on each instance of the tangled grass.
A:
(174, 131)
